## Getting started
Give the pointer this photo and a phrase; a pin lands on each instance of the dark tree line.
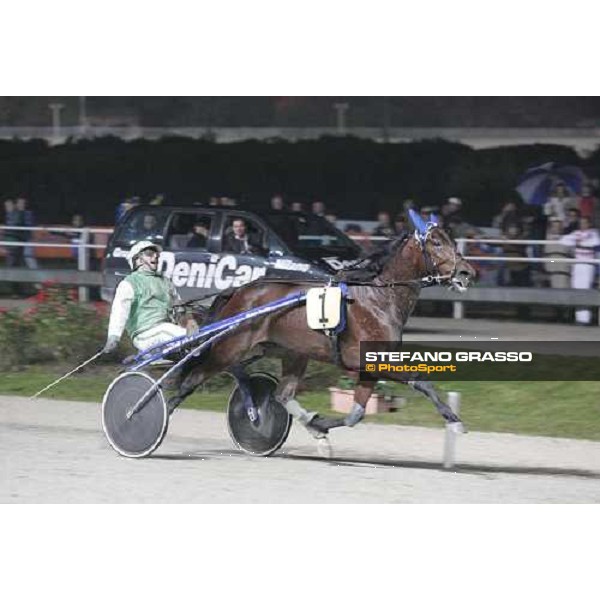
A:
(355, 177)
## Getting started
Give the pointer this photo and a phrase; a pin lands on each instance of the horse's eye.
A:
(437, 243)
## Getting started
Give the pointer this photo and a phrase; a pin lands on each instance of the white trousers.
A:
(159, 334)
(582, 278)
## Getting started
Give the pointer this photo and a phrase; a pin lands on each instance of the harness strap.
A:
(334, 335)
(336, 352)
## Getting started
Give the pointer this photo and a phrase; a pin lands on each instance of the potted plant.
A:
(382, 399)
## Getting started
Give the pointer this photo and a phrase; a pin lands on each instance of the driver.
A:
(143, 302)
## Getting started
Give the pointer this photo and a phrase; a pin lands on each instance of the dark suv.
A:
(201, 255)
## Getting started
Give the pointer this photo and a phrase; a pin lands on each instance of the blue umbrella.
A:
(537, 184)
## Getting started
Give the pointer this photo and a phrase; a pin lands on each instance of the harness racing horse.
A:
(377, 311)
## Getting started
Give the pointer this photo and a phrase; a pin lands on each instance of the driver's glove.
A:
(111, 344)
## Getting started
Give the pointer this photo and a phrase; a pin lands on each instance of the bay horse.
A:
(378, 311)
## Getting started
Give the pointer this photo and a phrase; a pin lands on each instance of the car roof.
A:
(188, 208)
(224, 209)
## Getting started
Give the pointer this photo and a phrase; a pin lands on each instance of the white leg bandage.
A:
(295, 409)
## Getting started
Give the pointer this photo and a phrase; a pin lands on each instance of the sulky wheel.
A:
(140, 435)
(269, 432)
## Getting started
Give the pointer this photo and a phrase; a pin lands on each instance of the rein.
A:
(423, 282)
(428, 280)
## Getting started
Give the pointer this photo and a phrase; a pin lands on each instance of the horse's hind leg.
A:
(189, 380)
(292, 370)
(293, 367)
(362, 393)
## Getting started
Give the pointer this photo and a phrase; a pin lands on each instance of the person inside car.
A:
(150, 226)
(199, 235)
(239, 241)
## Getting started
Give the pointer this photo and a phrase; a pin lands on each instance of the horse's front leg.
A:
(427, 388)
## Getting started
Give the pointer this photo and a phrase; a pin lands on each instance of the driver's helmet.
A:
(137, 249)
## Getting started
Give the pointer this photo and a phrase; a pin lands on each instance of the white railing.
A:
(462, 243)
(82, 244)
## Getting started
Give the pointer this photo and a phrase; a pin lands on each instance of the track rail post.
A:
(452, 432)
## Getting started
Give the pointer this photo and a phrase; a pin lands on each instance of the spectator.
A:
(14, 254)
(452, 207)
(558, 272)
(506, 217)
(451, 216)
(124, 207)
(74, 237)
(353, 229)
(559, 203)
(588, 204)
(585, 240)
(239, 241)
(533, 223)
(516, 273)
(384, 225)
(487, 271)
(214, 201)
(332, 218)
(571, 223)
(318, 208)
(158, 200)
(277, 202)
(297, 207)
(401, 225)
(25, 218)
(455, 226)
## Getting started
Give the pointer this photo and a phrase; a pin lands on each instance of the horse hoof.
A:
(457, 427)
(318, 425)
(324, 448)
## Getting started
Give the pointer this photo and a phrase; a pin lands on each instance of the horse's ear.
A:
(419, 224)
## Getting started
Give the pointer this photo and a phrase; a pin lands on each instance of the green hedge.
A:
(55, 327)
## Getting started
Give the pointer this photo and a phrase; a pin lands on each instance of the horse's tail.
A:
(218, 303)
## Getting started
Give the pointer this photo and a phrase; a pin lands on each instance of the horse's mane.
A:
(373, 264)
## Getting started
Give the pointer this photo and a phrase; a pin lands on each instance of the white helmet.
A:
(137, 249)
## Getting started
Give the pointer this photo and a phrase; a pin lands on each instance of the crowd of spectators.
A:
(566, 222)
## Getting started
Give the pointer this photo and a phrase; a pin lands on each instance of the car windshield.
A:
(144, 224)
(303, 231)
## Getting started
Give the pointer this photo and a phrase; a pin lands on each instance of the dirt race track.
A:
(55, 451)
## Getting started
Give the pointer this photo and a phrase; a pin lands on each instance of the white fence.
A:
(82, 244)
(84, 247)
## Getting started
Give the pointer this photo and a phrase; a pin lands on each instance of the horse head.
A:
(442, 260)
